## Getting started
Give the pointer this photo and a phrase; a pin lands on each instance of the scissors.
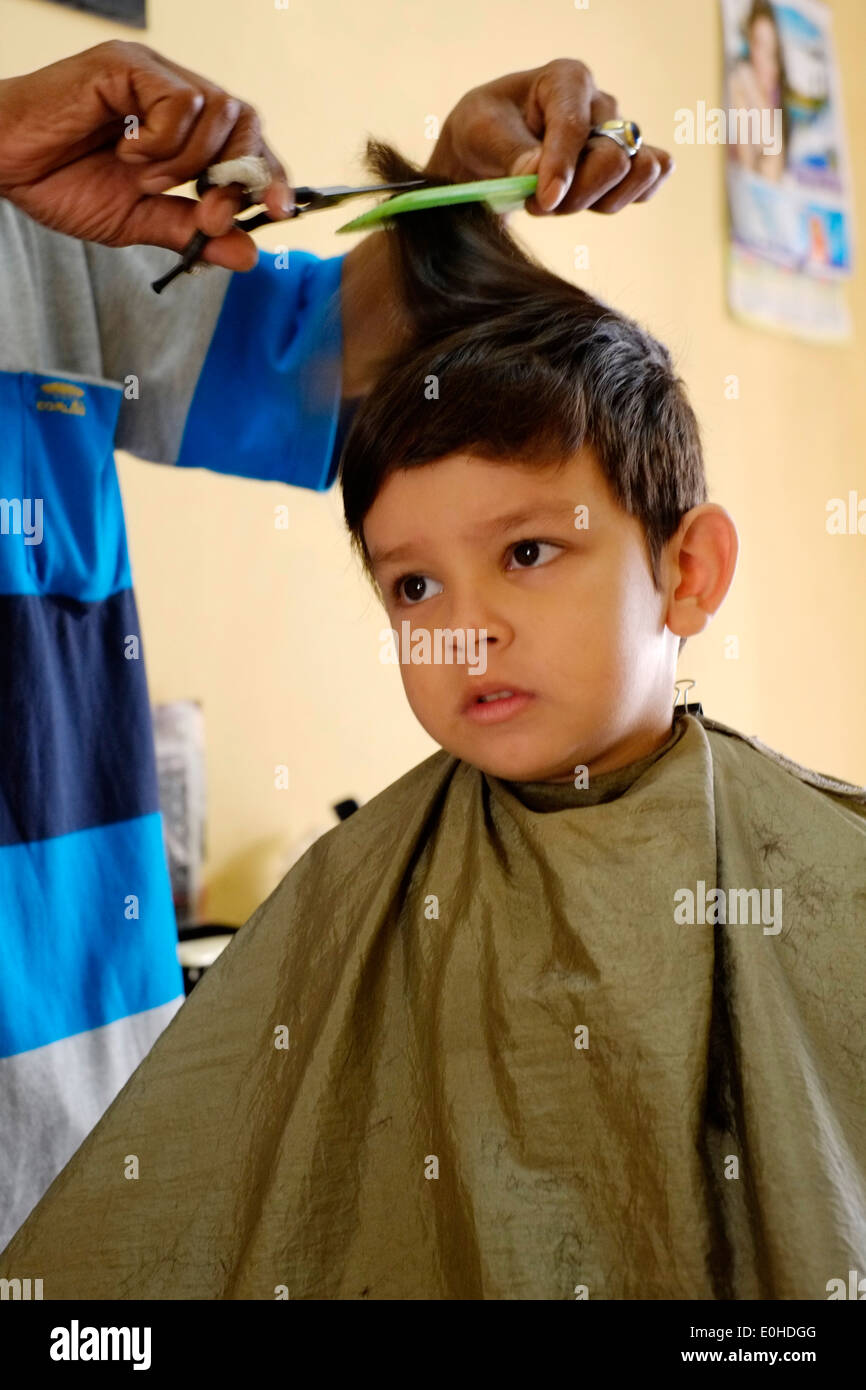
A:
(501, 194)
(306, 200)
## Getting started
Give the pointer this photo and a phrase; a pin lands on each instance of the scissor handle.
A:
(189, 256)
(261, 219)
(307, 199)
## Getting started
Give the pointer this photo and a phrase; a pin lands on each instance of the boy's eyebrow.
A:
(495, 526)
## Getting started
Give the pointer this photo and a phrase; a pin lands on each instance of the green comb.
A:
(503, 195)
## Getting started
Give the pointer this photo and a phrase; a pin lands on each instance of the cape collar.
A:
(605, 786)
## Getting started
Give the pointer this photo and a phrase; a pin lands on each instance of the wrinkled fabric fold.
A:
(467, 1051)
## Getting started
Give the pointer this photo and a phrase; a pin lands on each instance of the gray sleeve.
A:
(47, 318)
(160, 340)
(78, 308)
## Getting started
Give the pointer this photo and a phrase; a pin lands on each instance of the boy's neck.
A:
(638, 744)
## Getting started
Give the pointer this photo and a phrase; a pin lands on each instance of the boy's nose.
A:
(475, 609)
(480, 629)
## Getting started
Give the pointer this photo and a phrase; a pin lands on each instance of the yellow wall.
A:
(275, 632)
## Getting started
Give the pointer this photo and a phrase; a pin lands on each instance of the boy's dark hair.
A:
(530, 368)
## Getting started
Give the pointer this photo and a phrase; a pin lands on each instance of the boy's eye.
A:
(530, 554)
(415, 587)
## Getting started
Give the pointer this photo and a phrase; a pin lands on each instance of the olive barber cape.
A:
(494, 1040)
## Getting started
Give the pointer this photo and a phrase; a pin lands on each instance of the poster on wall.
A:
(788, 178)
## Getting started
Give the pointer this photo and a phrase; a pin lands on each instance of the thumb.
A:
(527, 161)
(550, 189)
(523, 155)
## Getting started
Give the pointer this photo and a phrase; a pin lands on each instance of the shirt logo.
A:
(72, 406)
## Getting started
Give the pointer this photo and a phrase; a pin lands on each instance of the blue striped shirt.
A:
(235, 372)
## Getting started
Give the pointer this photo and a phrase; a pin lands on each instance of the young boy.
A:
(573, 1009)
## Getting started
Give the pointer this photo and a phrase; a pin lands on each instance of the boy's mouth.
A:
(493, 703)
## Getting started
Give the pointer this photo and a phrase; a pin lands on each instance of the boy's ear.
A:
(701, 561)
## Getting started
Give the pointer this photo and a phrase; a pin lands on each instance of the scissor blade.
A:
(316, 199)
(309, 199)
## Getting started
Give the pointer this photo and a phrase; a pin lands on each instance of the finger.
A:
(170, 98)
(602, 167)
(164, 125)
(187, 122)
(644, 172)
(170, 221)
(218, 208)
(492, 132)
(133, 80)
(207, 137)
(666, 168)
(235, 251)
(588, 178)
(280, 196)
(563, 103)
(604, 108)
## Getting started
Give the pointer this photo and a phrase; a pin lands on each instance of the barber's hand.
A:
(64, 158)
(537, 122)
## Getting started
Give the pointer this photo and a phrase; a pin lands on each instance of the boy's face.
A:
(575, 629)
